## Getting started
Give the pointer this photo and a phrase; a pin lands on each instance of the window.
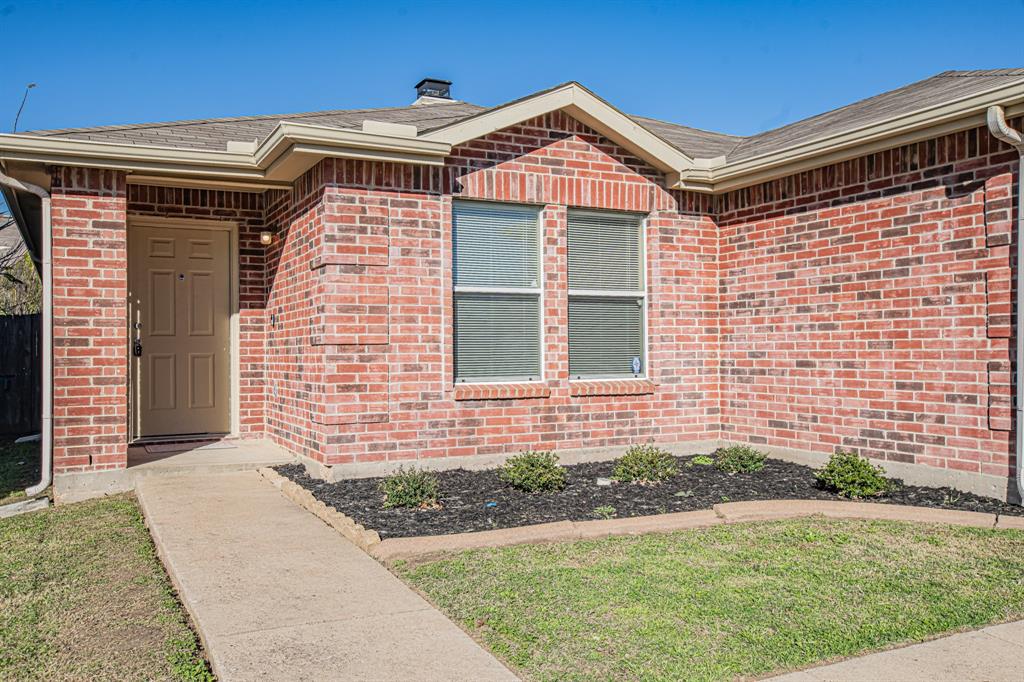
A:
(607, 297)
(497, 292)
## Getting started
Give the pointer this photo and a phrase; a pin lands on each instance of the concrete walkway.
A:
(278, 595)
(993, 654)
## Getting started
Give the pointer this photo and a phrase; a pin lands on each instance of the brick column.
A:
(350, 325)
(90, 361)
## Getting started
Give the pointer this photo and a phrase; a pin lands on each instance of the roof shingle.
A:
(213, 134)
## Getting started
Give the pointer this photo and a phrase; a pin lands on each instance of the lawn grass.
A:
(725, 602)
(84, 597)
(19, 468)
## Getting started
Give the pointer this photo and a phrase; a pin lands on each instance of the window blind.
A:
(495, 245)
(497, 337)
(604, 251)
(606, 295)
(497, 292)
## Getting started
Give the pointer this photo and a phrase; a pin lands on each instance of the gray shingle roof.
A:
(938, 89)
(214, 134)
(693, 142)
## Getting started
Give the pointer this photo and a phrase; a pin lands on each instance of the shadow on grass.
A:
(19, 468)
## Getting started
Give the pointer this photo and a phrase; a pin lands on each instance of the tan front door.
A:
(179, 299)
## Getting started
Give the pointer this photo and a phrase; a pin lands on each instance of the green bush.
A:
(739, 459)
(851, 475)
(534, 472)
(701, 460)
(645, 464)
(410, 488)
(604, 512)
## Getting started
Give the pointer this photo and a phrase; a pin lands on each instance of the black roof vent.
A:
(434, 87)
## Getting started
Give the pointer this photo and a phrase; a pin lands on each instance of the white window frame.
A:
(618, 293)
(538, 291)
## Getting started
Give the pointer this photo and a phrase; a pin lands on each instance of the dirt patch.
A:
(479, 500)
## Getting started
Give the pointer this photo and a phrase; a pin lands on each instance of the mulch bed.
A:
(466, 497)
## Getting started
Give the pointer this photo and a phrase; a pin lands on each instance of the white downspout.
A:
(46, 474)
(998, 127)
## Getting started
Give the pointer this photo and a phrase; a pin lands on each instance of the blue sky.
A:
(736, 67)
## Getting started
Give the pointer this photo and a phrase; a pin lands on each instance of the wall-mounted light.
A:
(266, 238)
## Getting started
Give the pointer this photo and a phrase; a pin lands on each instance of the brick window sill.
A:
(519, 391)
(611, 387)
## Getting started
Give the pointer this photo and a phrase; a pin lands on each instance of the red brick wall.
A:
(370, 265)
(247, 211)
(294, 367)
(90, 400)
(866, 306)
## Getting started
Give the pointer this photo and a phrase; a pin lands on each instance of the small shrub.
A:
(701, 460)
(645, 464)
(851, 475)
(534, 472)
(739, 459)
(604, 512)
(410, 488)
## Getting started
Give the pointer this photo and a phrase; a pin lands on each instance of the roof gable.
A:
(582, 105)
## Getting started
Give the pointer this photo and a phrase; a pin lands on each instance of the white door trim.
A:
(231, 227)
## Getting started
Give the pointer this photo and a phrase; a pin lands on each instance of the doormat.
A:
(158, 448)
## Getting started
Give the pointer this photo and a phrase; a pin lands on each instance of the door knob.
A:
(137, 348)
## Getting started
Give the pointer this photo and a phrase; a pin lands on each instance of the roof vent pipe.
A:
(1001, 130)
(434, 88)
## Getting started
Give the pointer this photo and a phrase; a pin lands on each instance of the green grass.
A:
(19, 468)
(84, 597)
(729, 601)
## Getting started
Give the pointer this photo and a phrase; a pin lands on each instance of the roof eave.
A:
(960, 114)
(289, 150)
(292, 148)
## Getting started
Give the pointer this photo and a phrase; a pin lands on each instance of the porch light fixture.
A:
(266, 238)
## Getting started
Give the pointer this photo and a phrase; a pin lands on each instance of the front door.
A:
(179, 305)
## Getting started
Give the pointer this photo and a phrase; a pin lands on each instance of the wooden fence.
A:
(20, 374)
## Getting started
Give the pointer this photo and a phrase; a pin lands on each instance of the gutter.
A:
(1000, 130)
(46, 470)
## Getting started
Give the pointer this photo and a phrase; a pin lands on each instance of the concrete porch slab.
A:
(247, 455)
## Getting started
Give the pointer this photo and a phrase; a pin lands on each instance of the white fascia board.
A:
(293, 148)
(15, 146)
(961, 114)
(582, 105)
(233, 164)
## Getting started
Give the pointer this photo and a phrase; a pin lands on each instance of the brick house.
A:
(450, 284)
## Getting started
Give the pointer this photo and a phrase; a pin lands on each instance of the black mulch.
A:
(466, 497)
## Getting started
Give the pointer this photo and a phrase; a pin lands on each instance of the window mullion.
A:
(520, 291)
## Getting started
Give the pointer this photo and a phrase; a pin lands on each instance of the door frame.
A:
(234, 363)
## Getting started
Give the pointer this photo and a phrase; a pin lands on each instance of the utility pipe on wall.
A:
(46, 474)
(998, 127)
